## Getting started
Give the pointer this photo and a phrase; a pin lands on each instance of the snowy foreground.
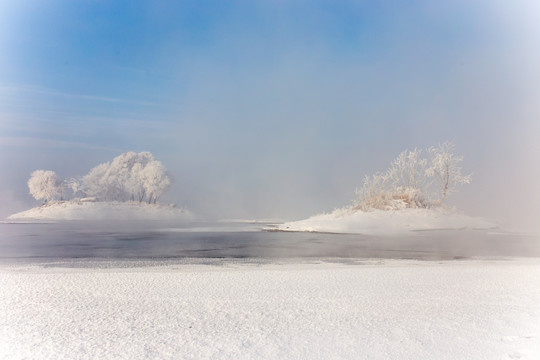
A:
(386, 222)
(77, 210)
(311, 309)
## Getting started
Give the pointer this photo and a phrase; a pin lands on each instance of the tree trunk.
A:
(446, 184)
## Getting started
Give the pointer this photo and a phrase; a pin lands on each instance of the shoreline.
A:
(137, 264)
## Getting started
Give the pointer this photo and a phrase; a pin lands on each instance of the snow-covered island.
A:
(381, 222)
(102, 210)
(409, 196)
(127, 188)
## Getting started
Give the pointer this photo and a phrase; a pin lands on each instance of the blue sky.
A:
(272, 108)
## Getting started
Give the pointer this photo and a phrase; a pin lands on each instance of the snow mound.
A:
(87, 210)
(386, 222)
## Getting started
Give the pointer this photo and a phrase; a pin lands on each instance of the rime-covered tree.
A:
(445, 169)
(408, 171)
(410, 180)
(403, 185)
(129, 176)
(155, 180)
(92, 184)
(134, 185)
(374, 193)
(45, 185)
(73, 187)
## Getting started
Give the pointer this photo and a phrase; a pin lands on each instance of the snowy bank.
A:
(88, 210)
(478, 309)
(386, 222)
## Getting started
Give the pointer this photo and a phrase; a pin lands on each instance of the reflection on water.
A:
(239, 240)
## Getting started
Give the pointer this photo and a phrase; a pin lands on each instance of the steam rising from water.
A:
(233, 240)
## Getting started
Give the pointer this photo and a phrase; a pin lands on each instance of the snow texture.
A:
(88, 210)
(386, 221)
(476, 309)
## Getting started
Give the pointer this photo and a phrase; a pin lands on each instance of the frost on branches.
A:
(413, 181)
(45, 185)
(445, 170)
(128, 177)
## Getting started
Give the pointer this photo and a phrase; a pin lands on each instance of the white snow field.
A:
(112, 210)
(386, 221)
(309, 309)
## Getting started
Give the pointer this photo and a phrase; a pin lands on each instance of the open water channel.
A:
(86, 240)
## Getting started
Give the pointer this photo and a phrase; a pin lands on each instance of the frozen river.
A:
(240, 240)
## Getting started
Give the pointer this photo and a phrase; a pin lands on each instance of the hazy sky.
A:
(273, 108)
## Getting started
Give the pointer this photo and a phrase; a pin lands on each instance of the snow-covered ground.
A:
(78, 210)
(386, 222)
(311, 309)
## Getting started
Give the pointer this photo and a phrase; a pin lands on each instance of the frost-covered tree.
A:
(409, 181)
(45, 185)
(73, 187)
(408, 170)
(129, 176)
(402, 186)
(379, 191)
(445, 169)
(373, 193)
(134, 186)
(121, 176)
(155, 180)
(92, 184)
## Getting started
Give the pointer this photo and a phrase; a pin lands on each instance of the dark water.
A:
(19, 242)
